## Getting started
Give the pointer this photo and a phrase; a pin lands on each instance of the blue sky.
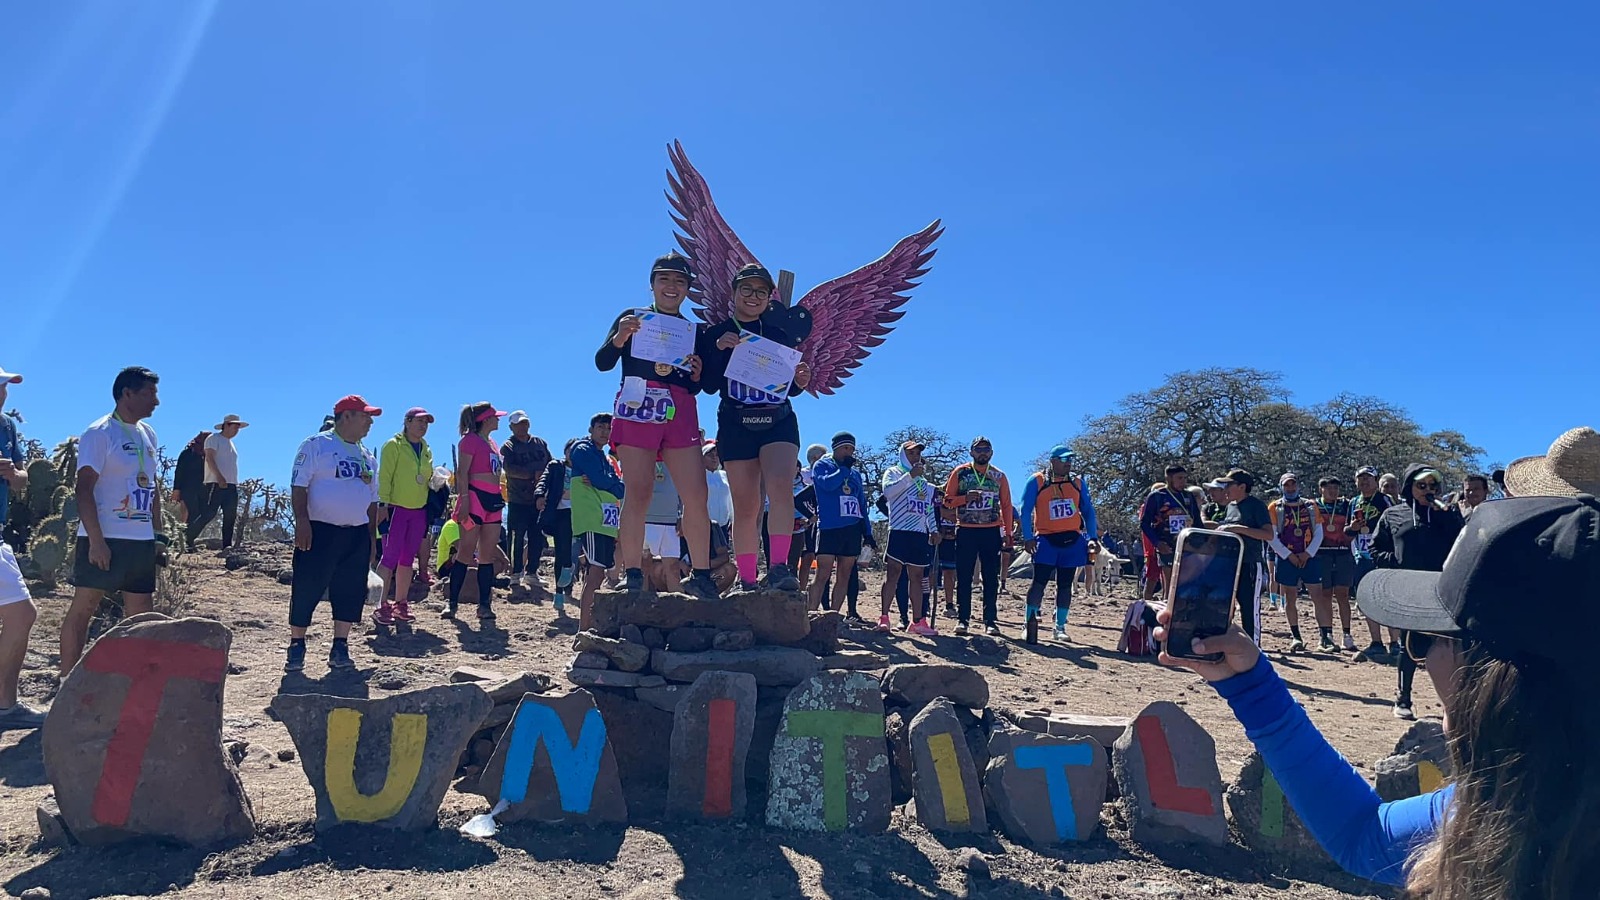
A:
(275, 204)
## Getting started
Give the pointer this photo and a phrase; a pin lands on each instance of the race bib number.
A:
(739, 392)
(610, 515)
(849, 507)
(919, 507)
(984, 503)
(1363, 544)
(136, 506)
(1063, 509)
(655, 408)
(349, 468)
(1176, 524)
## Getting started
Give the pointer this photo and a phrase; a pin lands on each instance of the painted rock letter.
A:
(133, 743)
(383, 762)
(555, 764)
(1166, 767)
(1265, 819)
(711, 731)
(1045, 789)
(830, 763)
(949, 796)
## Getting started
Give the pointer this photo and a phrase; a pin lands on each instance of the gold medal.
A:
(847, 489)
(144, 480)
(663, 369)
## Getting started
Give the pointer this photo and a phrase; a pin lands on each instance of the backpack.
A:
(1138, 630)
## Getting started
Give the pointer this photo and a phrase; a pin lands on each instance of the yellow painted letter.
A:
(408, 734)
(943, 750)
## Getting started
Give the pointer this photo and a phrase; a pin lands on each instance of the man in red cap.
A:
(335, 497)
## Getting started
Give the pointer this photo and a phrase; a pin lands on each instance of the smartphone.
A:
(1205, 578)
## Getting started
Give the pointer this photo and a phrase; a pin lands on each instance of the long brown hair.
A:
(470, 414)
(1524, 823)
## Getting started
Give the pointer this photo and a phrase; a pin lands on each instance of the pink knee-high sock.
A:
(747, 566)
(780, 548)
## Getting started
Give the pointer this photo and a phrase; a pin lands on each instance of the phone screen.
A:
(1205, 578)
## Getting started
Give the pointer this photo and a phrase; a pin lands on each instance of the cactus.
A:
(48, 553)
(42, 484)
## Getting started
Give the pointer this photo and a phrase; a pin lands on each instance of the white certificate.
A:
(762, 364)
(664, 339)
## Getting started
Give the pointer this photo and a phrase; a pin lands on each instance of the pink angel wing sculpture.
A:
(853, 312)
(716, 252)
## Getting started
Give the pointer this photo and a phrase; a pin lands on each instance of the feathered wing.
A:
(717, 253)
(853, 312)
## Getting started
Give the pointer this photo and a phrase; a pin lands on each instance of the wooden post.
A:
(786, 287)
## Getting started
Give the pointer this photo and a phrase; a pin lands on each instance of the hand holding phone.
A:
(1205, 578)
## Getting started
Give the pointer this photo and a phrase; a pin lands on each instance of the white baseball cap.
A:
(9, 377)
(518, 416)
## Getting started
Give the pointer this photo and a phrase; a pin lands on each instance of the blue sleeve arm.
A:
(1088, 509)
(1030, 498)
(1147, 520)
(1365, 837)
(827, 474)
(589, 462)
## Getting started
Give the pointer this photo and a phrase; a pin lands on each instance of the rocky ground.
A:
(1348, 700)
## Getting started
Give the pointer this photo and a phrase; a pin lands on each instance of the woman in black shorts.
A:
(757, 432)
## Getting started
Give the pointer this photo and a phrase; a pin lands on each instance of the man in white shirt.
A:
(719, 500)
(335, 498)
(221, 481)
(119, 502)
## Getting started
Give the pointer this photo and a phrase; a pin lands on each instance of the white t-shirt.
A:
(226, 457)
(719, 500)
(341, 479)
(126, 464)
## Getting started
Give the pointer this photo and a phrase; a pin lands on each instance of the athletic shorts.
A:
(12, 588)
(1363, 566)
(844, 541)
(662, 541)
(1338, 568)
(1290, 575)
(1073, 557)
(737, 442)
(910, 548)
(947, 554)
(133, 567)
(681, 430)
(599, 549)
(407, 528)
(480, 513)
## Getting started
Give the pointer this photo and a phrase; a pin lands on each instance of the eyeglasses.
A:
(1419, 643)
(758, 293)
(1427, 485)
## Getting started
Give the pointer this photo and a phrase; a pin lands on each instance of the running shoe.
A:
(1325, 644)
(485, 612)
(21, 716)
(700, 587)
(633, 580)
(384, 614)
(297, 657)
(1060, 634)
(883, 625)
(449, 612)
(560, 603)
(1349, 641)
(782, 578)
(749, 587)
(923, 629)
(961, 629)
(1297, 646)
(339, 656)
(402, 612)
(1402, 710)
(1375, 651)
(992, 630)
(1395, 649)
(854, 621)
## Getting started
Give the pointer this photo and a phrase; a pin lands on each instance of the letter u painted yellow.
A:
(408, 734)
(943, 750)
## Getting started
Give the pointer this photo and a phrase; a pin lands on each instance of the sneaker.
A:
(924, 629)
(1395, 650)
(402, 612)
(1297, 646)
(297, 657)
(1060, 634)
(961, 629)
(384, 614)
(1349, 641)
(1375, 651)
(905, 625)
(782, 578)
(700, 587)
(485, 612)
(749, 587)
(559, 601)
(21, 716)
(339, 656)
(854, 621)
(1402, 710)
(1325, 644)
(883, 625)
(449, 612)
(633, 581)
(992, 630)
(950, 612)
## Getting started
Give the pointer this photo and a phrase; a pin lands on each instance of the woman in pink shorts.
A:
(478, 506)
(405, 465)
(655, 418)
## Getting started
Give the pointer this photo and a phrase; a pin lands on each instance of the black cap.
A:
(1235, 476)
(673, 262)
(755, 270)
(843, 437)
(1514, 571)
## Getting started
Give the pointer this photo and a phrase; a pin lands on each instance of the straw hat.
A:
(231, 419)
(1571, 467)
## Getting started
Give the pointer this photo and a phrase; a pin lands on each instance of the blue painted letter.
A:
(576, 764)
(1053, 759)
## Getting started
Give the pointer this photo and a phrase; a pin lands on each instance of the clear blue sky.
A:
(275, 204)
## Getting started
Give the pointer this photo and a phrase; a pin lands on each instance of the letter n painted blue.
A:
(576, 765)
(1054, 759)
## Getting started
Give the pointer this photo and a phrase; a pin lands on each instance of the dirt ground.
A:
(1349, 701)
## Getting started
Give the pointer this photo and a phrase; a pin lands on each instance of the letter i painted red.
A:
(718, 800)
(1162, 773)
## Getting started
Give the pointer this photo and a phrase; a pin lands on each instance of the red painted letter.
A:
(148, 664)
(719, 758)
(1162, 773)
